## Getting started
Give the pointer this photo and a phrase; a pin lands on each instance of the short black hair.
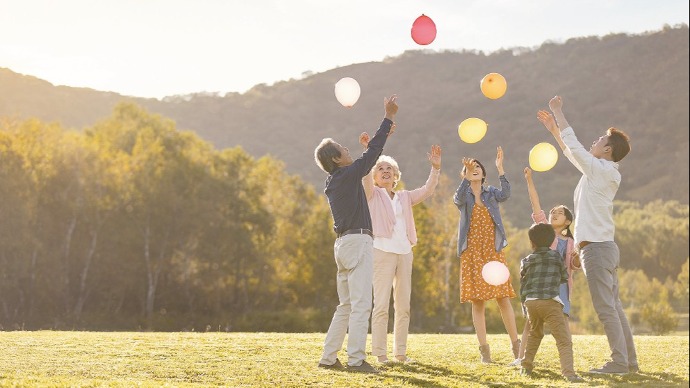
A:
(541, 235)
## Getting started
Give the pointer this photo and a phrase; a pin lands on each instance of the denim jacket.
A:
(491, 196)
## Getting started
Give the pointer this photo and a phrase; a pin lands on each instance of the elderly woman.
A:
(394, 236)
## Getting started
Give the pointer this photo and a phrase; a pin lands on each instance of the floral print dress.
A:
(480, 250)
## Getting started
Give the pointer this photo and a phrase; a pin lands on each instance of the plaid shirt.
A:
(541, 274)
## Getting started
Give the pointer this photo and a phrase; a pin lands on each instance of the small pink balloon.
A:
(423, 30)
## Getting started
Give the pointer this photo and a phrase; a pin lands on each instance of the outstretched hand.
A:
(468, 169)
(549, 121)
(391, 106)
(556, 103)
(390, 132)
(435, 156)
(528, 174)
(499, 160)
(364, 140)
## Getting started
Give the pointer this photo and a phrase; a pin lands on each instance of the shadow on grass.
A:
(419, 367)
(639, 379)
(471, 377)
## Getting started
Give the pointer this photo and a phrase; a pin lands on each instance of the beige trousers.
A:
(549, 312)
(353, 256)
(391, 271)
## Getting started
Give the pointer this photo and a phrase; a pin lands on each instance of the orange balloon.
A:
(493, 86)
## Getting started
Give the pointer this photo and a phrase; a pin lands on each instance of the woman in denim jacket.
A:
(481, 239)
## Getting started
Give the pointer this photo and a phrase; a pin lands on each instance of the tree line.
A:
(132, 224)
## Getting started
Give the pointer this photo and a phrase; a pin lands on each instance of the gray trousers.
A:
(354, 256)
(600, 262)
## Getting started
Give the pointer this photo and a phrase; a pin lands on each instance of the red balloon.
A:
(423, 30)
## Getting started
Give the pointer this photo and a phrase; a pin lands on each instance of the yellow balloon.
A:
(542, 157)
(472, 130)
(493, 86)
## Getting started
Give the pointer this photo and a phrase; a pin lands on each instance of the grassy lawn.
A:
(88, 359)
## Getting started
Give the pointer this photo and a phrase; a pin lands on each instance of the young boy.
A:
(541, 274)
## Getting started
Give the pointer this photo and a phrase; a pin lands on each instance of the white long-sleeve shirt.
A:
(594, 193)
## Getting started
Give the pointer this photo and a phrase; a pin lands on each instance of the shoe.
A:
(634, 368)
(365, 367)
(525, 371)
(485, 353)
(610, 368)
(407, 360)
(336, 365)
(516, 362)
(385, 360)
(575, 379)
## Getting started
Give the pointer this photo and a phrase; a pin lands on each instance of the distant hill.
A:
(638, 83)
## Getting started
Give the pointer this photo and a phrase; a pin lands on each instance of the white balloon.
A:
(495, 273)
(347, 91)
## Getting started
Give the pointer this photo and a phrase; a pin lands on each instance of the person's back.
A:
(541, 274)
(346, 196)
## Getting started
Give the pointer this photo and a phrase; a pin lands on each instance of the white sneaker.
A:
(516, 362)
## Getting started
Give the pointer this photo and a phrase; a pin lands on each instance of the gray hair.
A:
(324, 154)
(396, 169)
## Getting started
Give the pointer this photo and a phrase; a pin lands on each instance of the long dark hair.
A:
(568, 216)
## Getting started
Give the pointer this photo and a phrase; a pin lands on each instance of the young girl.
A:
(481, 239)
(560, 218)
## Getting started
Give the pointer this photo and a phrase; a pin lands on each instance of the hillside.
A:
(638, 83)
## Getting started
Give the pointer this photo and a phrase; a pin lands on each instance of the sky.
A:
(158, 48)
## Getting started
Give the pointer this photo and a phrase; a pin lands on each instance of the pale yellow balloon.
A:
(542, 157)
(472, 130)
(493, 86)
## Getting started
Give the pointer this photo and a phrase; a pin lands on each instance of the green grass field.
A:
(91, 359)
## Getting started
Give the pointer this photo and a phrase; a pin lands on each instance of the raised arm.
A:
(364, 163)
(368, 180)
(460, 197)
(575, 151)
(504, 192)
(420, 194)
(556, 106)
(499, 160)
(549, 122)
(532, 191)
(538, 215)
